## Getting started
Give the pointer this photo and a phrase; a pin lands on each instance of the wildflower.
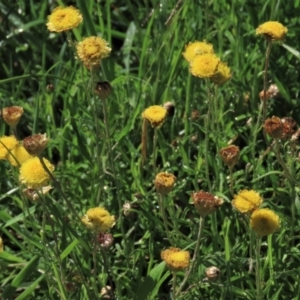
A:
(18, 155)
(156, 115)
(105, 240)
(206, 203)
(1, 245)
(98, 219)
(12, 115)
(103, 89)
(170, 107)
(7, 143)
(247, 201)
(272, 30)
(197, 48)
(63, 19)
(164, 183)
(212, 273)
(33, 175)
(36, 144)
(92, 50)
(271, 92)
(205, 65)
(264, 222)
(34, 195)
(230, 155)
(274, 127)
(289, 127)
(223, 74)
(176, 259)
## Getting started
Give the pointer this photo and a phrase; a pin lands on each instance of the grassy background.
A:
(146, 67)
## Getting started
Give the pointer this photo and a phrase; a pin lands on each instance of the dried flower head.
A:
(18, 155)
(105, 240)
(230, 155)
(98, 219)
(272, 30)
(36, 144)
(289, 127)
(223, 74)
(197, 48)
(205, 65)
(246, 201)
(126, 209)
(7, 143)
(34, 195)
(264, 222)
(103, 89)
(63, 19)
(274, 127)
(206, 203)
(170, 107)
(175, 259)
(164, 183)
(92, 50)
(271, 92)
(12, 115)
(296, 137)
(33, 174)
(106, 292)
(155, 115)
(212, 273)
(1, 245)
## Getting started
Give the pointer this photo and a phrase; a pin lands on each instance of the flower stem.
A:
(174, 286)
(154, 150)
(258, 271)
(231, 181)
(163, 215)
(268, 51)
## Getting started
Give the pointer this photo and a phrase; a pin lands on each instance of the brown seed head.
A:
(206, 203)
(170, 107)
(36, 144)
(230, 155)
(274, 127)
(212, 273)
(164, 183)
(105, 240)
(103, 89)
(289, 127)
(12, 115)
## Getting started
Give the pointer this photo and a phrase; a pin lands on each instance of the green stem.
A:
(163, 215)
(154, 150)
(265, 79)
(174, 286)
(258, 271)
(231, 181)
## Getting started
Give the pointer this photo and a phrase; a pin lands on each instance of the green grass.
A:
(48, 253)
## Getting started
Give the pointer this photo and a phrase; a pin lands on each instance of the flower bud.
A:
(12, 115)
(164, 183)
(274, 127)
(106, 292)
(103, 89)
(36, 144)
(212, 273)
(105, 240)
(230, 155)
(170, 107)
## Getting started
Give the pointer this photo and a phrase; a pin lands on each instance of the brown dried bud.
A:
(103, 89)
(70, 287)
(194, 138)
(164, 183)
(195, 115)
(126, 209)
(106, 292)
(271, 92)
(34, 195)
(12, 115)
(274, 127)
(105, 240)
(230, 155)
(170, 107)
(289, 127)
(206, 203)
(36, 144)
(50, 88)
(212, 273)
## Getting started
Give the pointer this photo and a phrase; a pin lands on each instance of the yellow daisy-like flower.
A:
(272, 30)
(98, 219)
(7, 142)
(18, 155)
(175, 259)
(63, 19)
(197, 48)
(205, 65)
(33, 175)
(264, 222)
(92, 50)
(156, 115)
(247, 201)
(223, 74)
(164, 183)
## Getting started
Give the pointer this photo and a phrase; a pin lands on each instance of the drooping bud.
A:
(36, 144)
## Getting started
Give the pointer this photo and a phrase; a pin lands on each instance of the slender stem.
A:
(207, 130)
(194, 259)
(163, 215)
(154, 150)
(231, 181)
(258, 271)
(265, 79)
(144, 143)
(174, 286)
(94, 253)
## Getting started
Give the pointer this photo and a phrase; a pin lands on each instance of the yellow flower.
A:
(12, 115)
(223, 74)
(164, 183)
(7, 142)
(18, 155)
(33, 175)
(175, 258)
(264, 222)
(272, 30)
(98, 219)
(205, 65)
(206, 203)
(92, 50)
(63, 19)
(156, 115)
(196, 48)
(1, 245)
(247, 201)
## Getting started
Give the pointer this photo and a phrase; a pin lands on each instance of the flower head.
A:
(34, 195)
(223, 74)
(274, 127)
(103, 89)
(206, 203)
(12, 115)
(205, 65)
(264, 222)
(272, 30)
(247, 201)
(175, 258)
(155, 115)
(105, 240)
(33, 175)
(7, 143)
(230, 155)
(63, 19)
(212, 273)
(289, 127)
(92, 50)
(98, 219)
(164, 183)
(18, 155)
(197, 48)
(36, 144)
